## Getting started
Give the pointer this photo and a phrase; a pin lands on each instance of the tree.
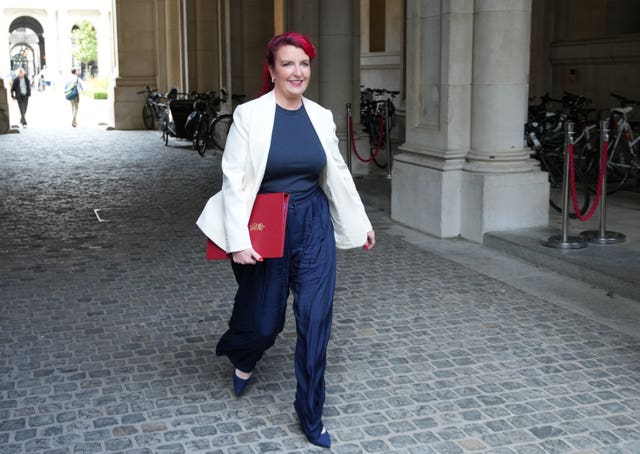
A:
(85, 42)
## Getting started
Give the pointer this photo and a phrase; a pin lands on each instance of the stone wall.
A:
(588, 47)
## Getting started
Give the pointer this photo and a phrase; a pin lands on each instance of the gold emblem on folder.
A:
(256, 226)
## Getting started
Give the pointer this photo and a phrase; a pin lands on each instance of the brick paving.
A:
(108, 329)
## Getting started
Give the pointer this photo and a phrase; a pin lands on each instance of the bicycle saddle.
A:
(622, 110)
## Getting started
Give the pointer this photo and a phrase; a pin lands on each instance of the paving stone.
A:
(118, 351)
(118, 444)
(543, 432)
(472, 444)
(12, 425)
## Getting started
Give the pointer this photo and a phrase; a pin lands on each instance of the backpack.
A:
(72, 92)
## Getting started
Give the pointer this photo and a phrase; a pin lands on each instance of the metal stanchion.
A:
(564, 241)
(388, 139)
(349, 136)
(603, 236)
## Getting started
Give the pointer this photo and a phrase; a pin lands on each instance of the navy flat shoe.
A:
(324, 440)
(239, 384)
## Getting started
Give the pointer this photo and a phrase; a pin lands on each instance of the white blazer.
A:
(225, 217)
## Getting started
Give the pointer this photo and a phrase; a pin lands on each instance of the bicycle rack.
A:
(564, 241)
(603, 236)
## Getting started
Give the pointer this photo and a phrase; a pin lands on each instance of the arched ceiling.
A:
(26, 22)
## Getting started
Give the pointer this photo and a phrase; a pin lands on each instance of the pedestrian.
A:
(284, 142)
(20, 91)
(72, 90)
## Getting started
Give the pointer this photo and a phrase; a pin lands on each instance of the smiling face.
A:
(291, 73)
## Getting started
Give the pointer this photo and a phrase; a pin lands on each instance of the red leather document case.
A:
(267, 225)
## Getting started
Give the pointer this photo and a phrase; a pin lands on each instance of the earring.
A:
(273, 80)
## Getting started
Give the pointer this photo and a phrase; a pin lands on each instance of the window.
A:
(377, 19)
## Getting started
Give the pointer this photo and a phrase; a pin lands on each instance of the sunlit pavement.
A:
(49, 108)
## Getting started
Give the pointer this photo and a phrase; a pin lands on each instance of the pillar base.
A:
(127, 103)
(507, 201)
(4, 105)
(425, 198)
(448, 201)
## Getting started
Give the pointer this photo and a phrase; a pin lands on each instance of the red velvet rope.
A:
(353, 141)
(572, 180)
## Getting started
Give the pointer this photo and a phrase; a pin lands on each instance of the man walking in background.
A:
(73, 86)
(20, 91)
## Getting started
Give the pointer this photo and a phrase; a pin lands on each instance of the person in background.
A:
(75, 102)
(284, 142)
(20, 91)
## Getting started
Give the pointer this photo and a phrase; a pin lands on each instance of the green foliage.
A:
(86, 42)
(96, 87)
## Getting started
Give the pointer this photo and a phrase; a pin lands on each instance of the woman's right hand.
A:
(246, 257)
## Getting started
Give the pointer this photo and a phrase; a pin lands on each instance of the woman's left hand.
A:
(371, 240)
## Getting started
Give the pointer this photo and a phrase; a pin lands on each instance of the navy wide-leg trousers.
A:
(308, 270)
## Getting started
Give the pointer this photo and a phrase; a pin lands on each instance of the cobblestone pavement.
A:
(108, 329)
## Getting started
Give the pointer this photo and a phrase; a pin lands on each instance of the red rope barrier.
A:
(353, 142)
(572, 180)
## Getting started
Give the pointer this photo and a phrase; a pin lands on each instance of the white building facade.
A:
(45, 29)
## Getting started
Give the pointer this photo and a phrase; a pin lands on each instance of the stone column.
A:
(339, 65)
(502, 188)
(303, 16)
(426, 181)
(136, 59)
(64, 24)
(173, 42)
(105, 51)
(53, 37)
(5, 65)
(502, 31)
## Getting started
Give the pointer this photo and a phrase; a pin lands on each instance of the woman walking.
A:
(284, 142)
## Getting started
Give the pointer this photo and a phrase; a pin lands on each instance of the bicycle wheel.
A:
(618, 166)
(219, 130)
(200, 137)
(148, 116)
(165, 128)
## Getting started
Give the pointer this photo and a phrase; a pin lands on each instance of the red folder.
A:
(267, 225)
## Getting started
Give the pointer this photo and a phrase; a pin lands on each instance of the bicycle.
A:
(179, 107)
(211, 127)
(623, 161)
(154, 107)
(545, 136)
(373, 103)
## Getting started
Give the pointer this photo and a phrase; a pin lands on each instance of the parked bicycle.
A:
(209, 127)
(154, 107)
(376, 108)
(179, 107)
(623, 163)
(545, 136)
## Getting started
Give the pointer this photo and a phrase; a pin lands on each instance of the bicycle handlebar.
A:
(147, 90)
(624, 101)
(380, 91)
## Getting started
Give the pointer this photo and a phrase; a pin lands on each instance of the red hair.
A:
(285, 39)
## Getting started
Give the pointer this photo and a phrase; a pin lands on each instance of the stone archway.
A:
(33, 41)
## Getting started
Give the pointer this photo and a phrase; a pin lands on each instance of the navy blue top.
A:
(296, 157)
